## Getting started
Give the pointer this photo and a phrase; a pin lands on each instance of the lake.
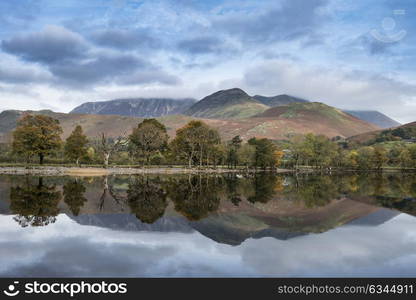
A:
(208, 225)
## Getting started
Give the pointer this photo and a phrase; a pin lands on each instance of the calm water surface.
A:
(228, 225)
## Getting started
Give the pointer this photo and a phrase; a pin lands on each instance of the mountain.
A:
(370, 116)
(375, 117)
(275, 123)
(278, 100)
(136, 107)
(226, 104)
(312, 117)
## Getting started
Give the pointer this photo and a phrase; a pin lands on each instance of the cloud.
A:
(342, 88)
(291, 20)
(101, 67)
(202, 45)
(149, 76)
(51, 45)
(125, 39)
(71, 61)
(23, 75)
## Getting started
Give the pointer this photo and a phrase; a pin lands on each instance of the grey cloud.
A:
(49, 46)
(16, 75)
(125, 39)
(103, 67)
(374, 46)
(293, 19)
(73, 62)
(150, 76)
(202, 45)
(123, 69)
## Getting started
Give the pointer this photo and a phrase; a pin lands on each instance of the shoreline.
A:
(92, 171)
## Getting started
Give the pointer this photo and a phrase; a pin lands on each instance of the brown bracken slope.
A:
(275, 123)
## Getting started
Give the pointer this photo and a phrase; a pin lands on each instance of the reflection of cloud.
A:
(69, 249)
(385, 250)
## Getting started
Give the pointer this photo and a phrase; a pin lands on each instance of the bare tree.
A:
(108, 146)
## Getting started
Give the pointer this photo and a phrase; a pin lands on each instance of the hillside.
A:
(226, 104)
(278, 100)
(370, 116)
(375, 117)
(274, 123)
(399, 133)
(312, 117)
(136, 107)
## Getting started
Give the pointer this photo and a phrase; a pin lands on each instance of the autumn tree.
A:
(264, 155)
(76, 145)
(365, 157)
(246, 155)
(380, 157)
(36, 135)
(405, 158)
(148, 138)
(195, 141)
(233, 146)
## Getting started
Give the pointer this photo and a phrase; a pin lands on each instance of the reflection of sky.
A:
(69, 249)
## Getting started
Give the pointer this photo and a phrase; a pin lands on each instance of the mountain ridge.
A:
(224, 104)
(136, 107)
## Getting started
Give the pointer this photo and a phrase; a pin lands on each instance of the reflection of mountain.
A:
(232, 225)
(279, 218)
(127, 222)
(376, 218)
(233, 230)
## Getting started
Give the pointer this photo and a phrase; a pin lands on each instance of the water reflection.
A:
(73, 192)
(195, 197)
(160, 217)
(35, 204)
(147, 199)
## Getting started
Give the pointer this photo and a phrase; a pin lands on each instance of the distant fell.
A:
(374, 117)
(136, 107)
(226, 104)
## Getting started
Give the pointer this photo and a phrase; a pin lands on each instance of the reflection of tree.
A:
(264, 188)
(232, 183)
(74, 196)
(407, 205)
(314, 191)
(147, 199)
(34, 204)
(196, 196)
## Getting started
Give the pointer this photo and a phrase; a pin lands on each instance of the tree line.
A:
(195, 144)
(198, 145)
(320, 152)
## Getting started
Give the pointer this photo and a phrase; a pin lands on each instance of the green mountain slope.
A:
(278, 100)
(226, 104)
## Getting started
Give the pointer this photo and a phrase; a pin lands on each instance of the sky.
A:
(346, 53)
